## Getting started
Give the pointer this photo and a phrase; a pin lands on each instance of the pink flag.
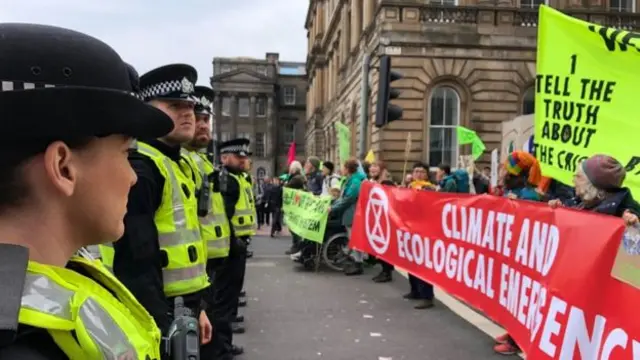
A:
(291, 157)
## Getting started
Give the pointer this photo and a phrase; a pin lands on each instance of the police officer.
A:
(69, 114)
(238, 202)
(214, 224)
(161, 255)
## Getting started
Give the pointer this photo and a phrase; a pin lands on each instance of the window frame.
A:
(227, 111)
(286, 96)
(260, 147)
(264, 106)
(456, 122)
(248, 107)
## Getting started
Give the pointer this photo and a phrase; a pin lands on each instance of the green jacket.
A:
(345, 206)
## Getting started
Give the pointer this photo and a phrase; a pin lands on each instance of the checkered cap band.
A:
(7, 85)
(235, 149)
(161, 89)
(21, 85)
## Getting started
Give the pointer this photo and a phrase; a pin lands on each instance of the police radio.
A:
(183, 338)
(204, 197)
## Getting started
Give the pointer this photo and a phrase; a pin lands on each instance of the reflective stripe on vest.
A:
(185, 272)
(84, 319)
(244, 217)
(215, 227)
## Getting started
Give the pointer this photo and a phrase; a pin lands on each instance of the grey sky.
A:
(151, 33)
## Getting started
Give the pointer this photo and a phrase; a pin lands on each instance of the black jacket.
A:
(274, 196)
(615, 204)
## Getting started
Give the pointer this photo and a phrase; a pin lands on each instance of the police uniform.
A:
(238, 202)
(50, 312)
(214, 224)
(161, 255)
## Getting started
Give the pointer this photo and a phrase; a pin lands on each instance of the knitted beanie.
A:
(519, 161)
(604, 171)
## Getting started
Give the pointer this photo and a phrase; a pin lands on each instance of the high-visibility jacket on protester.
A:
(244, 218)
(214, 227)
(88, 318)
(178, 229)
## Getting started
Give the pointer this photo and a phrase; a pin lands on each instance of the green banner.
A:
(306, 214)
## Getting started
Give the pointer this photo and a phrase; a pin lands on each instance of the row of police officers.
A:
(187, 222)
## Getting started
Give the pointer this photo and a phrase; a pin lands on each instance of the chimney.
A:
(273, 57)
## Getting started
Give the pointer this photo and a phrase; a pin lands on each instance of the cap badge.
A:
(187, 86)
(205, 102)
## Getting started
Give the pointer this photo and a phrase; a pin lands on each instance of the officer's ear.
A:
(61, 164)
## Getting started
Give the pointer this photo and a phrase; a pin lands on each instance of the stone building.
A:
(264, 101)
(465, 62)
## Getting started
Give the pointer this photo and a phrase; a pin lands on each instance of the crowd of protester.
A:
(597, 186)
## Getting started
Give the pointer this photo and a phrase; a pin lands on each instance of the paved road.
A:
(297, 315)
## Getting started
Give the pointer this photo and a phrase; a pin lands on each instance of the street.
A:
(294, 314)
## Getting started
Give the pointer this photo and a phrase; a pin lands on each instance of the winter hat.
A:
(604, 172)
(329, 165)
(314, 161)
(519, 161)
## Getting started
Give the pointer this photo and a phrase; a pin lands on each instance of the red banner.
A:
(545, 275)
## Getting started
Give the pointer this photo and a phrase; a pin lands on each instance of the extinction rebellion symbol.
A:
(376, 220)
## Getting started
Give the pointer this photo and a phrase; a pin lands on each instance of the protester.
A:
(262, 204)
(274, 200)
(314, 175)
(345, 207)
(598, 187)
(522, 177)
(522, 180)
(330, 180)
(420, 290)
(378, 173)
(296, 181)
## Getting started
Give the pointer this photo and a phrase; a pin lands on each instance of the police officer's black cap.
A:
(57, 83)
(238, 146)
(169, 82)
(204, 100)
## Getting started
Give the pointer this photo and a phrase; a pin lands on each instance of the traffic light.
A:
(385, 111)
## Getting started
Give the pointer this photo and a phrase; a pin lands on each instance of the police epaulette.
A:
(14, 260)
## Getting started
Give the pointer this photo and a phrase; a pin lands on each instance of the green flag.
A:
(468, 136)
(344, 141)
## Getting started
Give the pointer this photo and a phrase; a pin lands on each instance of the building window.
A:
(245, 136)
(243, 107)
(225, 68)
(444, 117)
(622, 5)
(533, 4)
(259, 145)
(261, 107)
(225, 135)
(289, 95)
(528, 101)
(289, 134)
(226, 106)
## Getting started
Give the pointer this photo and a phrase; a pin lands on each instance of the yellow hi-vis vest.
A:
(247, 177)
(84, 317)
(178, 229)
(244, 218)
(214, 227)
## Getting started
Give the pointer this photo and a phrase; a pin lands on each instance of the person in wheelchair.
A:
(309, 249)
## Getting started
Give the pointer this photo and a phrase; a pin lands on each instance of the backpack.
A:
(461, 177)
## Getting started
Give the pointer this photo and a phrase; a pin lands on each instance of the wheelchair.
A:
(333, 252)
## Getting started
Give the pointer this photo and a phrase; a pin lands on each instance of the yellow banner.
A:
(586, 96)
